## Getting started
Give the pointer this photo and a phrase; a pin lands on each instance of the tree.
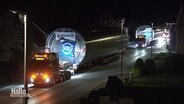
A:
(179, 32)
(11, 39)
(12, 44)
(139, 66)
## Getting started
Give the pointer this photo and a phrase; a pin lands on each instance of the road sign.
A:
(65, 35)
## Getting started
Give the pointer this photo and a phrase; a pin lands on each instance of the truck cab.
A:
(45, 69)
(141, 41)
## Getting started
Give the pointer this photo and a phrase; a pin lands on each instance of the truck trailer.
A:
(87, 47)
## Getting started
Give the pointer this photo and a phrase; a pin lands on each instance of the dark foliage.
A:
(150, 66)
(139, 64)
(174, 64)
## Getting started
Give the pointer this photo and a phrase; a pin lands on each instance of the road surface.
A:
(69, 92)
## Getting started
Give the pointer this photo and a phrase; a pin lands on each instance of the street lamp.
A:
(23, 19)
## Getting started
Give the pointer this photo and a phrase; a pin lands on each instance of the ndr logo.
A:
(67, 48)
(18, 92)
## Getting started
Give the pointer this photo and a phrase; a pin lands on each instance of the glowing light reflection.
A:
(161, 42)
(143, 52)
(77, 76)
(22, 85)
(136, 53)
(103, 39)
(42, 98)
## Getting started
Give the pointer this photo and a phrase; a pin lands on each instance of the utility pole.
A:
(151, 38)
(46, 35)
(121, 63)
(25, 58)
(121, 53)
(23, 19)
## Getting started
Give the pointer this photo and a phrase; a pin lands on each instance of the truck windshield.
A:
(140, 39)
(40, 65)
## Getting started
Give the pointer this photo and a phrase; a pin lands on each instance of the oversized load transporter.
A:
(144, 35)
(93, 46)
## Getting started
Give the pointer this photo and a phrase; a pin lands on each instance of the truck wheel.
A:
(69, 75)
(64, 77)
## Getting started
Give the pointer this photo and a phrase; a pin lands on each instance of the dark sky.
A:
(53, 12)
(127, 8)
(119, 7)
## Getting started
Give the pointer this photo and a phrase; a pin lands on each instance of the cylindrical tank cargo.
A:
(101, 43)
(68, 44)
(80, 49)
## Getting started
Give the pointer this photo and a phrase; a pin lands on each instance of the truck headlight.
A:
(45, 76)
(33, 76)
(47, 80)
(32, 80)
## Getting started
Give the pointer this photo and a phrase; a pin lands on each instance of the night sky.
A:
(53, 13)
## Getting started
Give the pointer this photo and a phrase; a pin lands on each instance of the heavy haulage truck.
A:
(91, 47)
(144, 35)
(46, 70)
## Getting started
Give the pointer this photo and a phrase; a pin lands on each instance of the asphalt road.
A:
(81, 83)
